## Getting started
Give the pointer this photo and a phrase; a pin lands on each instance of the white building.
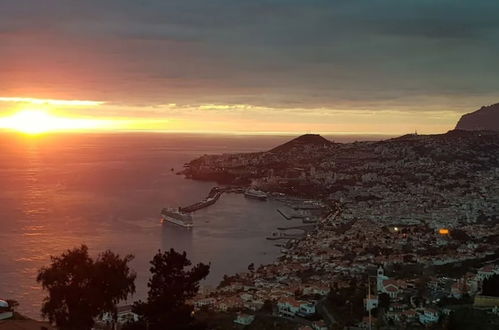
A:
(124, 315)
(244, 319)
(385, 285)
(370, 303)
(288, 306)
(428, 316)
(307, 308)
(380, 277)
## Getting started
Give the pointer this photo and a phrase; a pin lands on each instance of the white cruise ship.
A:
(256, 194)
(177, 217)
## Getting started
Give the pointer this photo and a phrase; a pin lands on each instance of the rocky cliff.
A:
(486, 118)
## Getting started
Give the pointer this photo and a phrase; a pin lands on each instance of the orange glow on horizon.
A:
(55, 102)
(39, 121)
(33, 115)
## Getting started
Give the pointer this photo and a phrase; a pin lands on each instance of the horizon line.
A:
(197, 132)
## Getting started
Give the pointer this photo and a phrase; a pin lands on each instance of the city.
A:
(414, 217)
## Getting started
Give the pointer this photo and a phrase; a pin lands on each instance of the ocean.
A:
(58, 191)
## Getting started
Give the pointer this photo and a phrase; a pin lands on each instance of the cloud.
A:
(36, 101)
(273, 53)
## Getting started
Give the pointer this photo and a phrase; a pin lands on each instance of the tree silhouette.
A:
(459, 235)
(384, 300)
(491, 286)
(80, 289)
(12, 303)
(170, 287)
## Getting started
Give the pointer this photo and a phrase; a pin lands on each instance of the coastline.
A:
(377, 197)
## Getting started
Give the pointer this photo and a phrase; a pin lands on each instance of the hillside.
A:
(486, 118)
(313, 166)
(313, 140)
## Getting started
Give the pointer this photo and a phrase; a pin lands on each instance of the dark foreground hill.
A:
(486, 118)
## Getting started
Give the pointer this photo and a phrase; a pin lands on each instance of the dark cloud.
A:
(272, 53)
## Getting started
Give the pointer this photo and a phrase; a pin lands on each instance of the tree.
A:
(80, 289)
(459, 235)
(384, 300)
(421, 286)
(12, 303)
(170, 287)
(267, 307)
(469, 318)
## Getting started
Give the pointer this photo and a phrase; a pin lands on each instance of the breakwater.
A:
(212, 198)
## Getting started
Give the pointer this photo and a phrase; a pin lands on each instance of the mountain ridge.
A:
(484, 119)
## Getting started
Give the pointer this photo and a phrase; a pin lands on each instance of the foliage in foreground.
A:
(80, 288)
(491, 286)
(468, 318)
(170, 287)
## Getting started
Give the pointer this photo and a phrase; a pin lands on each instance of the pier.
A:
(212, 198)
(305, 228)
(285, 236)
(289, 214)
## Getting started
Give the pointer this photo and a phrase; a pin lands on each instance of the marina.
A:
(290, 214)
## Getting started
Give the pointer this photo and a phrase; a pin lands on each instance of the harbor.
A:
(304, 215)
(289, 214)
(306, 211)
(216, 192)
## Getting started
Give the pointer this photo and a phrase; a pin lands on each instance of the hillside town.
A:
(405, 233)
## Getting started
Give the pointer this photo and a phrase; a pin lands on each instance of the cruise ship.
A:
(177, 217)
(255, 194)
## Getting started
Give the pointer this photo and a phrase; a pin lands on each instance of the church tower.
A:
(380, 277)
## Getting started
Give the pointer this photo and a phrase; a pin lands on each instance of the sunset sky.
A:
(336, 66)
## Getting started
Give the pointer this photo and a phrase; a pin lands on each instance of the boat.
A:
(255, 194)
(177, 217)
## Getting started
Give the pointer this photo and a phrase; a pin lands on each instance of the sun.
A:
(39, 121)
(30, 122)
